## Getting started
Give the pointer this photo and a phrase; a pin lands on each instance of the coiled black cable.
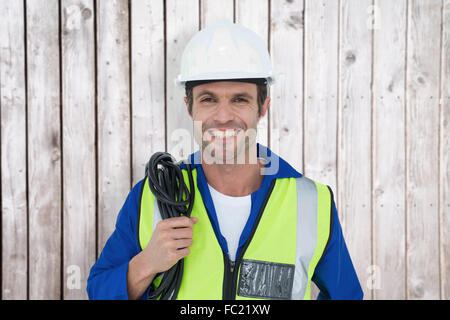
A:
(166, 182)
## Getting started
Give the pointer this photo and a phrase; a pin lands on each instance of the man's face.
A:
(226, 113)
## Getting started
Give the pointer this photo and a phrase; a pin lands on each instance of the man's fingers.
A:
(178, 222)
(181, 233)
(183, 252)
(182, 243)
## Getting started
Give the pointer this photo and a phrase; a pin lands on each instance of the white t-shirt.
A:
(232, 214)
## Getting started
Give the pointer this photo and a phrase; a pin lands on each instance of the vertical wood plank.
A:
(286, 111)
(214, 10)
(424, 30)
(320, 91)
(78, 95)
(254, 14)
(13, 151)
(44, 149)
(389, 149)
(182, 22)
(354, 137)
(147, 82)
(445, 154)
(113, 127)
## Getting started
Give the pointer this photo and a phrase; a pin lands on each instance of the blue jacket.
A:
(335, 275)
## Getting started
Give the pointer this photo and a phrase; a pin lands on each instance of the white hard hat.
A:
(225, 51)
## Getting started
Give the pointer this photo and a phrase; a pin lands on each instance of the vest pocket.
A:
(263, 279)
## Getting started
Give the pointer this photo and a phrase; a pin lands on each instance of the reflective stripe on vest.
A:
(288, 242)
(313, 232)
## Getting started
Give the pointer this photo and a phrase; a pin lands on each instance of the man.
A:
(258, 228)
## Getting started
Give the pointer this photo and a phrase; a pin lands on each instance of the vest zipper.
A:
(228, 276)
(231, 270)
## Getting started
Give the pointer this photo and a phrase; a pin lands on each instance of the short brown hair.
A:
(261, 97)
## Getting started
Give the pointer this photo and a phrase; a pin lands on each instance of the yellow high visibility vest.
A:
(290, 235)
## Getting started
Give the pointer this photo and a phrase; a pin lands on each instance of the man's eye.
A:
(206, 100)
(240, 100)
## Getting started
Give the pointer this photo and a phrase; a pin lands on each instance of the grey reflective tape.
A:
(306, 234)
(263, 279)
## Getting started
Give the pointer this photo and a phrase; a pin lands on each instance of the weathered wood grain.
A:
(444, 174)
(422, 116)
(213, 10)
(44, 149)
(79, 163)
(286, 110)
(147, 83)
(388, 156)
(13, 151)
(113, 113)
(320, 91)
(354, 135)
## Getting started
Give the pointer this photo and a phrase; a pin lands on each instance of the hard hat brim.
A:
(257, 81)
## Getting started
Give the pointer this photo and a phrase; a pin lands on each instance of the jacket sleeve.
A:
(108, 276)
(335, 275)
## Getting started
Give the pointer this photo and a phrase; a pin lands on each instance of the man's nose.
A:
(223, 112)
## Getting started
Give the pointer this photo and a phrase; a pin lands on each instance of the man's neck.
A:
(236, 180)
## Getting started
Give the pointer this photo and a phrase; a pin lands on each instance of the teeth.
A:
(224, 134)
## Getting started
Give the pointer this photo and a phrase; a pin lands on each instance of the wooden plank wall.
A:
(361, 103)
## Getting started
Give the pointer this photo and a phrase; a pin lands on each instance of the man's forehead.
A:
(228, 87)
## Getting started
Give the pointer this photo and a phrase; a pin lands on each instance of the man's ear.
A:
(187, 106)
(264, 108)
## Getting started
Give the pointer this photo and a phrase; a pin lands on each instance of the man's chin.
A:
(218, 154)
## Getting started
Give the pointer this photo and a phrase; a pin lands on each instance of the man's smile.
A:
(223, 133)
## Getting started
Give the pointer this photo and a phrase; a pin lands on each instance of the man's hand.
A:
(169, 243)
